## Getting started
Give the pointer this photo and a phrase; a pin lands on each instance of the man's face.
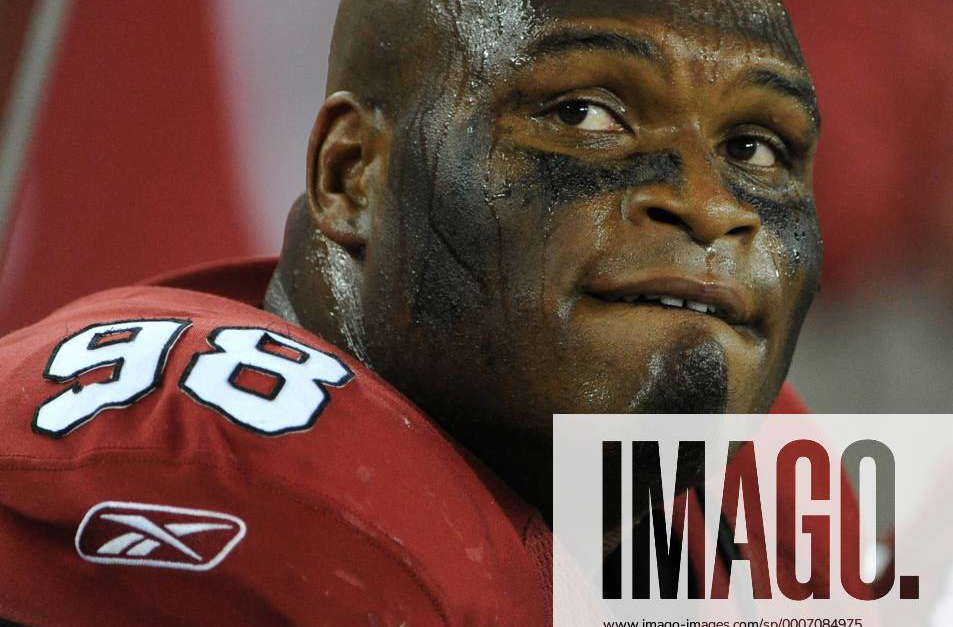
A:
(602, 207)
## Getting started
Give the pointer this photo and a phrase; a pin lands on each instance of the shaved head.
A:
(378, 59)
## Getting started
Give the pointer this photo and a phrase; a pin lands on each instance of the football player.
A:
(513, 209)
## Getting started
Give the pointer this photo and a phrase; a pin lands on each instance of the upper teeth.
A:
(669, 301)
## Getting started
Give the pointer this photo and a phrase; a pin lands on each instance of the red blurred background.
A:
(142, 136)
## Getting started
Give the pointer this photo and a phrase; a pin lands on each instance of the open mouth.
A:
(724, 301)
(664, 301)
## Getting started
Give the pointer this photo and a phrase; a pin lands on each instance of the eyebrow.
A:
(799, 89)
(569, 40)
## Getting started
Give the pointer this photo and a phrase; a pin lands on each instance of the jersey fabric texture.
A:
(146, 476)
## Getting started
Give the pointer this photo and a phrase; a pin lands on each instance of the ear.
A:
(338, 155)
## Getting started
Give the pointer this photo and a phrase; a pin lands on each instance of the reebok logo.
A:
(139, 534)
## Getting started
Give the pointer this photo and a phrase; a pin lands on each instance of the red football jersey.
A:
(174, 457)
(172, 454)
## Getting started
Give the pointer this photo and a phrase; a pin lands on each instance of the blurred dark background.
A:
(139, 136)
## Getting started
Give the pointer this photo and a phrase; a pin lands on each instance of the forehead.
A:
(759, 20)
(486, 24)
(764, 22)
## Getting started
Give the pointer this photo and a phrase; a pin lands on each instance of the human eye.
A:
(752, 150)
(584, 115)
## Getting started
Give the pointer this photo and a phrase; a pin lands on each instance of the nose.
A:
(708, 214)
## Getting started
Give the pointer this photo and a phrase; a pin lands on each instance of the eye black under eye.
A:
(573, 112)
(742, 148)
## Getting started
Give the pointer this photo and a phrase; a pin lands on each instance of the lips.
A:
(724, 300)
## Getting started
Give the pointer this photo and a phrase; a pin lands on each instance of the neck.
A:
(316, 285)
(278, 302)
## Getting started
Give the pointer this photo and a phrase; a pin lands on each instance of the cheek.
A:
(449, 230)
(556, 214)
(791, 220)
(792, 241)
(563, 181)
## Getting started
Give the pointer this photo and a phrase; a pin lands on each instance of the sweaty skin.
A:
(490, 181)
